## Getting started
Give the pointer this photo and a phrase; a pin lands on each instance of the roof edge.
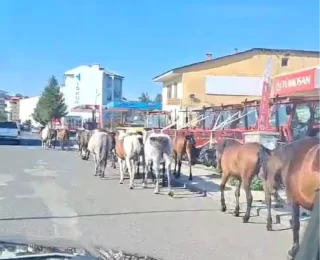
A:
(253, 50)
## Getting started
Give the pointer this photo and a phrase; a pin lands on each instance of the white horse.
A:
(100, 144)
(46, 135)
(132, 149)
(158, 148)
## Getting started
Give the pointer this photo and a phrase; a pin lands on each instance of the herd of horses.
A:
(294, 166)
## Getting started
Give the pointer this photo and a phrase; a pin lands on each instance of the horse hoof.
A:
(269, 228)
(223, 208)
(236, 213)
(121, 182)
(144, 185)
(131, 187)
(245, 219)
(190, 178)
(156, 191)
(170, 193)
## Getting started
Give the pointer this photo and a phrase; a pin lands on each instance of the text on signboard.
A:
(292, 83)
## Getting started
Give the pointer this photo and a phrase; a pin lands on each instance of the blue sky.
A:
(138, 38)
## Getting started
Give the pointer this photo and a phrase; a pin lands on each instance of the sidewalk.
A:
(207, 181)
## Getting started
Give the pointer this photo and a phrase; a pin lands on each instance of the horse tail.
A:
(104, 151)
(263, 156)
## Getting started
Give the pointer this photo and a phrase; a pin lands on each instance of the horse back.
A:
(240, 160)
(300, 172)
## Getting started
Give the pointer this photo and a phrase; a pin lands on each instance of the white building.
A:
(2, 101)
(27, 106)
(88, 86)
(13, 108)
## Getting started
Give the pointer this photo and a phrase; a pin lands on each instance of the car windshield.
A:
(11, 125)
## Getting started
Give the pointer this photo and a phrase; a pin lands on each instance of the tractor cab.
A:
(157, 119)
(295, 117)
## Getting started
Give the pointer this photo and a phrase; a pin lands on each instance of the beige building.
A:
(13, 108)
(194, 85)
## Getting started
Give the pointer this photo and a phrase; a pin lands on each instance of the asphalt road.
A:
(52, 197)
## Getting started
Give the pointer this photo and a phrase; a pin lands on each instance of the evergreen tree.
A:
(51, 103)
(158, 98)
(144, 97)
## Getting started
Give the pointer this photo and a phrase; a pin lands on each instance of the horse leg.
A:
(156, 170)
(62, 144)
(103, 164)
(114, 158)
(179, 167)
(190, 171)
(295, 229)
(175, 166)
(237, 195)
(246, 186)
(224, 180)
(145, 175)
(96, 166)
(268, 202)
(163, 174)
(121, 162)
(167, 167)
(131, 171)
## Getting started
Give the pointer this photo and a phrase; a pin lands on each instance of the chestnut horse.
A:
(184, 145)
(62, 135)
(240, 161)
(296, 165)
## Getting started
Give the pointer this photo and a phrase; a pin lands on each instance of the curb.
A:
(279, 217)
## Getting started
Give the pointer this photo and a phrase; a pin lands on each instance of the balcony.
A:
(173, 101)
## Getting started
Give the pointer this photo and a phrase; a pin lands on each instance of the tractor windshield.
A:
(156, 121)
(252, 115)
(282, 112)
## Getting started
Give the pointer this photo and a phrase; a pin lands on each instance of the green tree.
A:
(3, 116)
(158, 98)
(27, 122)
(51, 103)
(144, 97)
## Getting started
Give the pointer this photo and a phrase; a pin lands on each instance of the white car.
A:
(10, 131)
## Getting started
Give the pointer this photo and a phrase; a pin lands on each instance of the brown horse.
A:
(296, 165)
(62, 135)
(240, 161)
(184, 145)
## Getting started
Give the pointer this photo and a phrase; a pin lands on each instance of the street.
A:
(52, 197)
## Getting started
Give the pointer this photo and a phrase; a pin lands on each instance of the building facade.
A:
(229, 79)
(27, 106)
(90, 87)
(3, 101)
(13, 108)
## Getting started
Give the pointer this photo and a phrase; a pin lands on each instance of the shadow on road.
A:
(110, 214)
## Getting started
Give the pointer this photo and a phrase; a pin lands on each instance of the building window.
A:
(174, 90)
(169, 91)
(284, 62)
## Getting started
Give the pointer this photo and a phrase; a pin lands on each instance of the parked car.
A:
(10, 130)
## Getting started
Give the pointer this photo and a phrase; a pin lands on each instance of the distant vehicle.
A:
(10, 131)
(35, 130)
